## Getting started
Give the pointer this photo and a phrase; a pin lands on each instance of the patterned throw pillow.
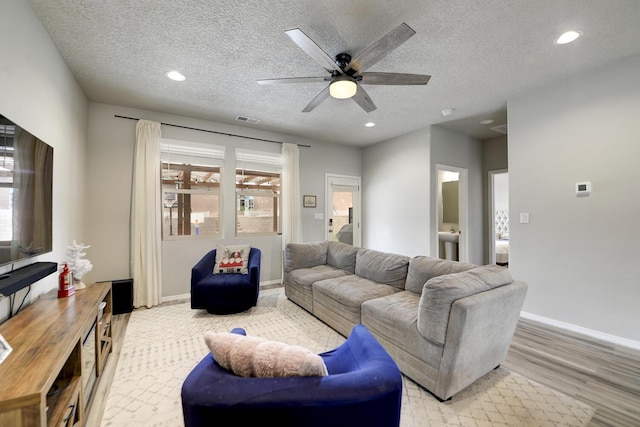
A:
(232, 259)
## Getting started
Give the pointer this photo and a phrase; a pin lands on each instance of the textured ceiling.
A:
(478, 52)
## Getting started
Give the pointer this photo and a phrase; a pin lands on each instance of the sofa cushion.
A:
(258, 357)
(441, 292)
(424, 268)
(338, 301)
(343, 256)
(304, 255)
(382, 267)
(297, 283)
(307, 276)
(394, 319)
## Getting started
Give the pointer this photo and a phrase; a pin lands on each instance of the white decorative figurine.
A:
(78, 266)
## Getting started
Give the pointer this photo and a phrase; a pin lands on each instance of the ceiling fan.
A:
(347, 74)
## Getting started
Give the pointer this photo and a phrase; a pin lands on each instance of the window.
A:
(257, 192)
(190, 189)
(7, 133)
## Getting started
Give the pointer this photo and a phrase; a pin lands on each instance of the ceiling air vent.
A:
(247, 120)
(500, 128)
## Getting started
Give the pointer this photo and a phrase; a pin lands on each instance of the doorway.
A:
(343, 209)
(498, 217)
(451, 216)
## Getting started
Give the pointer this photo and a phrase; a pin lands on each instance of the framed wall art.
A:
(309, 201)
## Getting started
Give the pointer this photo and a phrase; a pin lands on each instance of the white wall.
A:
(396, 181)
(501, 192)
(580, 256)
(455, 149)
(110, 169)
(40, 94)
(315, 162)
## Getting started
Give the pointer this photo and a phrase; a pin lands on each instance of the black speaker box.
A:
(122, 296)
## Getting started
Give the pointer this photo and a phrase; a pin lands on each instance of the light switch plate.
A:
(524, 218)
(318, 216)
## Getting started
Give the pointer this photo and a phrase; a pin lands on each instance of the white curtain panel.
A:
(291, 202)
(146, 216)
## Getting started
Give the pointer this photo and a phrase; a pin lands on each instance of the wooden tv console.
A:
(45, 380)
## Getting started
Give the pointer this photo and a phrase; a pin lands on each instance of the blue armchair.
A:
(363, 388)
(225, 293)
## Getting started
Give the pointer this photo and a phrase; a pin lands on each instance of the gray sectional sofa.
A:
(445, 323)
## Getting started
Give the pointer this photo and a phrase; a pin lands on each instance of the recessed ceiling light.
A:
(175, 75)
(568, 37)
(447, 112)
(370, 124)
(486, 122)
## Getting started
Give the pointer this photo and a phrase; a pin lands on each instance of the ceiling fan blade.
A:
(294, 80)
(381, 48)
(362, 99)
(313, 50)
(317, 100)
(394, 79)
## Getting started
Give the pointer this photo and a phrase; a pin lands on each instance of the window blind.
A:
(258, 160)
(191, 153)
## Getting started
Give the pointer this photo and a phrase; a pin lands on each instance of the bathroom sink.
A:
(447, 236)
(450, 241)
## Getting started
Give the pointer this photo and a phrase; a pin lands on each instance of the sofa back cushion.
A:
(343, 256)
(424, 268)
(382, 267)
(441, 292)
(304, 255)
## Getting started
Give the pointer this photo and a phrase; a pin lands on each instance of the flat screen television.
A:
(26, 176)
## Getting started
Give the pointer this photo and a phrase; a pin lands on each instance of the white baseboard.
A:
(175, 298)
(584, 331)
(270, 282)
(188, 296)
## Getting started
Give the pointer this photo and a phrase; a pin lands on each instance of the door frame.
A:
(350, 181)
(463, 211)
(491, 223)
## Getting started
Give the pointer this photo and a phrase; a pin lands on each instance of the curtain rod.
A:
(213, 131)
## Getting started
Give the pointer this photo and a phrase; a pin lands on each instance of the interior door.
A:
(498, 216)
(343, 209)
(447, 224)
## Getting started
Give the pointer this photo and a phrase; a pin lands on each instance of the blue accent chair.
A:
(225, 293)
(363, 388)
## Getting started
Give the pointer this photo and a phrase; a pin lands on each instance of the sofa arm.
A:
(254, 265)
(203, 268)
(479, 334)
(304, 255)
(441, 292)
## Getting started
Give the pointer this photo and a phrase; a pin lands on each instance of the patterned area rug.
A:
(162, 345)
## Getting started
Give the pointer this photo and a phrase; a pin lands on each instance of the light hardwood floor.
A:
(601, 374)
(118, 326)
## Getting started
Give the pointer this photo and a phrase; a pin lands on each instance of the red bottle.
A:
(65, 283)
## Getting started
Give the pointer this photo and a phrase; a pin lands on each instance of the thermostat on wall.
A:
(583, 189)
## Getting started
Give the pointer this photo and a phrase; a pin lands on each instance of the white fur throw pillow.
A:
(249, 356)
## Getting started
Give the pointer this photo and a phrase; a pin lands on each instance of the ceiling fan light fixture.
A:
(568, 37)
(343, 88)
(176, 76)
